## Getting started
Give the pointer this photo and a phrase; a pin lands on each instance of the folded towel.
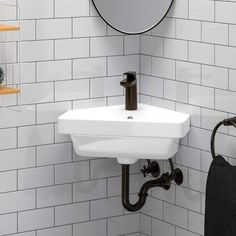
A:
(220, 217)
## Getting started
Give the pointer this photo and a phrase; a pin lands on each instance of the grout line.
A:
(142, 82)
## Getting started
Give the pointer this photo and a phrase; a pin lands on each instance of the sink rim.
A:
(68, 123)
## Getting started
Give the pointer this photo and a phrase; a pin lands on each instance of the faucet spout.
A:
(130, 84)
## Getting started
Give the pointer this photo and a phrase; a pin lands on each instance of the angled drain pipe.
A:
(153, 168)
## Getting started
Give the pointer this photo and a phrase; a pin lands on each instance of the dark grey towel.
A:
(220, 217)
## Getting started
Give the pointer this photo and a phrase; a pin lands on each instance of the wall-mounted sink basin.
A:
(147, 133)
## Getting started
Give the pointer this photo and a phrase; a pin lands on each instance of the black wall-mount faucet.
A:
(130, 84)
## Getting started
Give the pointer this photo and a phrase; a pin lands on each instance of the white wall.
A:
(70, 59)
(188, 64)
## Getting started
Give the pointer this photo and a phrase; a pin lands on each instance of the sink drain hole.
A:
(130, 117)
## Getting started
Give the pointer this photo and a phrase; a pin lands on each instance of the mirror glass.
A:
(132, 16)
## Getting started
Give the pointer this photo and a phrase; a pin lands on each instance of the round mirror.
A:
(132, 16)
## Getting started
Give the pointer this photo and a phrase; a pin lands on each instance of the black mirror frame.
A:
(133, 33)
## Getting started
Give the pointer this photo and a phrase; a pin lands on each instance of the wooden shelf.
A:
(7, 90)
(9, 28)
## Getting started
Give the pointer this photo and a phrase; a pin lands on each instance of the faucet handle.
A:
(130, 75)
(129, 79)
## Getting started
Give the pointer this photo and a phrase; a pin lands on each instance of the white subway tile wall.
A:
(70, 59)
(188, 64)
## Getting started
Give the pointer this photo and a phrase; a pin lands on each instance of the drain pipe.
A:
(164, 182)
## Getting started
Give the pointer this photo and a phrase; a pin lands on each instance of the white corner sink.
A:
(147, 133)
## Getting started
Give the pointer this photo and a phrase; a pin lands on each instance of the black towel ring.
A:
(226, 122)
